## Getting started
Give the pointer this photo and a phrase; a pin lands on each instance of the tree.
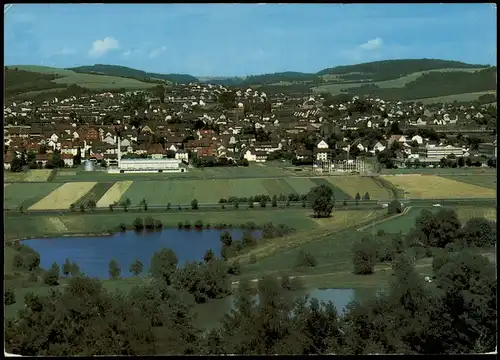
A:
(263, 202)
(274, 201)
(366, 196)
(111, 207)
(149, 223)
(226, 238)
(163, 265)
(9, 297)
(247, 239)
(114, 269)
(461, 161)
(144, 204)
(364, 256)
(32, 261)
(75, 269)
(91, 204)
(136, 267)
(82, 208)
(18, 261)
(51, 277)
(72, 207)
(321, 200)
(169, 206)
(16, 165)
(394, 207)
(305, 260)
(478, 232)
(194, 204)
(209, 256)
(139, 223)
(66, 268)
(357, 198)
(126, 203)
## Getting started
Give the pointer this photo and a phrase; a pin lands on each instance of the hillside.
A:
(126, 72)
(403, 80)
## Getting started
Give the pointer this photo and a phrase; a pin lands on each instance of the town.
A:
(209, 125)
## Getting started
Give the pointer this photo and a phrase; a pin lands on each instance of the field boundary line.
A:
(404, 212)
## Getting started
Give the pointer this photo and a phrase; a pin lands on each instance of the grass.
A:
(486, 180)
(90, 81)
(63, 196)
(36, 175)
(32, 226)
(337, 193)
(435, 187)
(303, 239)
(468, 212)
(395, 83)
(26, 194)
(441, 171)
(354, 184)
(457, 97)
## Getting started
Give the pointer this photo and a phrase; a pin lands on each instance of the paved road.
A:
(349, 205)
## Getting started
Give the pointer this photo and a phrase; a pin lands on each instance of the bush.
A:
(253, 259)
(158, 224)
(194, 204)
(187, 224)
(198, 224)
(123, 227)
(9, 297)
(394, 207)
(234, 269)
(138, 224)
(364, 256)
(305, 260)
(149, 223)
(180, 225)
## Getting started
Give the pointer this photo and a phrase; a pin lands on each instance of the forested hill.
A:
(123, 71)
(392, 69)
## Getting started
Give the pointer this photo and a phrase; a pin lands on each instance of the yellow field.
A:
(114, 194)
(354, 184)
(434, 187)
(38, 175)
(466, 213)
(58, 224)
(63, 196)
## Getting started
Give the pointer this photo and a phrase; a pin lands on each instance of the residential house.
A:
(250, 156)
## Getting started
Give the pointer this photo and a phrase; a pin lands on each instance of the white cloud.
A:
(373, 44)
(100, 47)
(127, 53)
(156, 52)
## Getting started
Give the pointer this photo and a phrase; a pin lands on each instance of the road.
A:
(349, 205)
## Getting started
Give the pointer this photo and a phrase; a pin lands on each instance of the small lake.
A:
(92, 254)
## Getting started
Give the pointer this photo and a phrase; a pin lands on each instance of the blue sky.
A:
(234, 39)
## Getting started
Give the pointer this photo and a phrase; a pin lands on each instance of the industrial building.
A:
(431, 151)
(146, 165)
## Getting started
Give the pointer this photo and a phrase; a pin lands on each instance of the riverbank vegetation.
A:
(158, 317)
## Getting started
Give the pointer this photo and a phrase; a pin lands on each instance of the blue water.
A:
(92, 254)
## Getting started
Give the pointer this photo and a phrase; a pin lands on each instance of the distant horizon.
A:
(240, 76)
(245, 39)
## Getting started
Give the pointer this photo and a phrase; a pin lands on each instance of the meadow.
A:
(90, 81)
(64, 196)
(484, 180)
(394, 83)
(436, 187)
(26, 194)
(36, 175)
(457, 97)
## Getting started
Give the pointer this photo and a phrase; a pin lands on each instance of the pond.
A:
(210, 314)
(92, 254)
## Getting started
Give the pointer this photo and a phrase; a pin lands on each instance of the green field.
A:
(486, 180)
(90, 81)
(395, 83)
(458, 97)
(441, 171)
(211, 190)
(26, 194)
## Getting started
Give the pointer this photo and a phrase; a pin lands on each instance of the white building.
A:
(431, 151)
